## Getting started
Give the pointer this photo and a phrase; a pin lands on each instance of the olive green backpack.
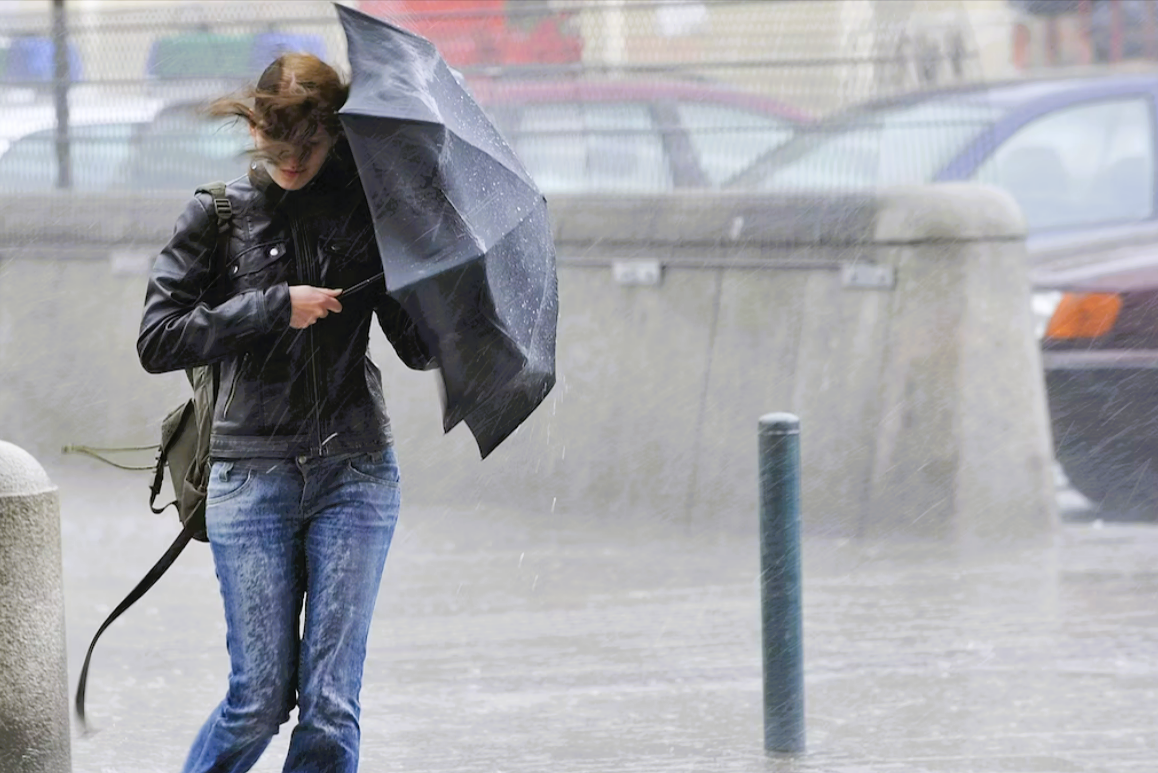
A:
(183, 451)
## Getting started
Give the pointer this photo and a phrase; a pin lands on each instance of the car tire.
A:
(1122, 488)
(1106, 439)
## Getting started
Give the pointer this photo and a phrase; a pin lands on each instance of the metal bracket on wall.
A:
(867, 276)
(637, 272)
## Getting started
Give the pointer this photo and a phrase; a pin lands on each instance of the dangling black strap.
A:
(224, 211)
(147, 582)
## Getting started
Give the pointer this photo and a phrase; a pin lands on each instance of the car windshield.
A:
(895, 146)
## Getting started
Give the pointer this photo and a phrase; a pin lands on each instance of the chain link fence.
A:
(617, 95)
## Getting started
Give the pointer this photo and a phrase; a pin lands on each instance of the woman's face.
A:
(294, 172)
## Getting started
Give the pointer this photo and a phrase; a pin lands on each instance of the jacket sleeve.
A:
(408, 340)
(185, 322)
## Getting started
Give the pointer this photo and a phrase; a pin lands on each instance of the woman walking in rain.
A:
(304, 490)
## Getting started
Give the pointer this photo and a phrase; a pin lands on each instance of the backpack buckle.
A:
(224, 212)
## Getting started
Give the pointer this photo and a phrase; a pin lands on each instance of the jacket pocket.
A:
(233, 382)
(339, 249)
(259, 265)
(346, 247)
(348, 261)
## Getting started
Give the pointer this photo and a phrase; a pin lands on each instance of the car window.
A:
(571, 148)
(180, 150)
(727, 139)
(907, 145)
(97, 154)
(1082, 165)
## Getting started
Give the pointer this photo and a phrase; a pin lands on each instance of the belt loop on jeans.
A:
(223, 472)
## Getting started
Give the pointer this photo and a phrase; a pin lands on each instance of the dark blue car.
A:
(1078, 154)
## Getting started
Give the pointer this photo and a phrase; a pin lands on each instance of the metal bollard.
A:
(34, 721)
(780, 587)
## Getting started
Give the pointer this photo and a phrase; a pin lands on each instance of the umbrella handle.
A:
(363, 284)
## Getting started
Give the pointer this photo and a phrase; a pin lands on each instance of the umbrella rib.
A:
(463, 216)
(519, 173)
(381, 152)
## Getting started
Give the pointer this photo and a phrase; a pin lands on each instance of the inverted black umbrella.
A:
(463, 230)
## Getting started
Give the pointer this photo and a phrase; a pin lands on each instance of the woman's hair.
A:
(295, 96)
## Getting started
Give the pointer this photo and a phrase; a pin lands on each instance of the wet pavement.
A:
(508, 642)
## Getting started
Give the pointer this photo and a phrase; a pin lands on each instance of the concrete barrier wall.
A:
(922, 403)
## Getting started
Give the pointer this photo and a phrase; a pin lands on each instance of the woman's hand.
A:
(311, 304)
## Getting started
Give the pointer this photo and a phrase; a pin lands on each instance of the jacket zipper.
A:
(306, 270)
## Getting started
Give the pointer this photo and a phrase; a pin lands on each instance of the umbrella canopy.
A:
(463, 230)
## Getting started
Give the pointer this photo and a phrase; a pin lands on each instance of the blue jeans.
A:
(288, 533)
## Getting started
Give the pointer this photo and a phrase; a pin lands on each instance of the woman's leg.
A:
(351, 514)
(254, 525)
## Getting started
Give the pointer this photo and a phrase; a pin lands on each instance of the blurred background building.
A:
(815, 54)
(745, 69)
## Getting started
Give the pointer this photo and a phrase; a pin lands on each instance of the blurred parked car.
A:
(101, 136)
(161, 147)
(181, 149)
(633, 136)
(630, 137)
(1100, 351)
(22, 114)
(1078, 154)
(98, 153)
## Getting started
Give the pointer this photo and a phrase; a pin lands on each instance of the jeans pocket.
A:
(227, 481)
(377, 466)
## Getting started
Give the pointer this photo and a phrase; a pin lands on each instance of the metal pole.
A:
(780, 586)
(34, 725)
(60, 84)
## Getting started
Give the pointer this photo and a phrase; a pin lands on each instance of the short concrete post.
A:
(34, 722)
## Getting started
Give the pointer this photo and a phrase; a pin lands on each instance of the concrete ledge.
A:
(679, 219)
(922, 405)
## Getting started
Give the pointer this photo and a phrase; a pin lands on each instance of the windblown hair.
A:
(295, 96)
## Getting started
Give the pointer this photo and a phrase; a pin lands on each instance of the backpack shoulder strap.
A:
(224, 209)
(221, 204)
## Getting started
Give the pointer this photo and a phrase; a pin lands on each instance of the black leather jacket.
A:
(283, 392)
